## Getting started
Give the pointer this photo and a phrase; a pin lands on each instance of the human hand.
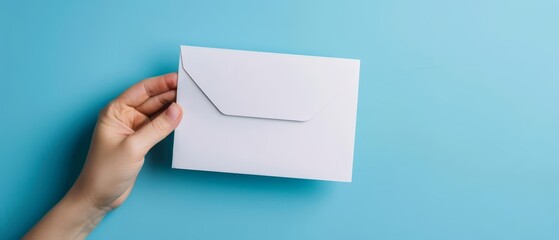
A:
(126, 130)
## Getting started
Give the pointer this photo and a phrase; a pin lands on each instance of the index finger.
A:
(142, 91)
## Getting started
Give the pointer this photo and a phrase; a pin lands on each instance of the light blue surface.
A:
(457, 133)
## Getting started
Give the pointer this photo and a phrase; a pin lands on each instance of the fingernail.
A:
(173, 111)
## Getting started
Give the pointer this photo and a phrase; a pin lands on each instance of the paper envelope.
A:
(266, 113)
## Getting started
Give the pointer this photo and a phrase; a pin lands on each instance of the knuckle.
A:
(159, 127)
(110, 109)
(104, 111)
(149, 91)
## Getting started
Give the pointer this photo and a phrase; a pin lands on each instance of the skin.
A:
(127, 128)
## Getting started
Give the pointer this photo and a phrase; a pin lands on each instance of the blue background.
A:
(457, 132)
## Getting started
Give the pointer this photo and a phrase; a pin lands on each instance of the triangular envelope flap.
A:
(266, 85)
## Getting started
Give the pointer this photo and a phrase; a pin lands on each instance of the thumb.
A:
(158, 128)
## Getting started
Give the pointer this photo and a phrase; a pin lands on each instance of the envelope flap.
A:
(266, 85)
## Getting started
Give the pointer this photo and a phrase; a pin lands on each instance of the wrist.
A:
(84, 207)
(73, 217)
(80, 213)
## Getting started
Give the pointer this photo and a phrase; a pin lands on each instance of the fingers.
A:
(156, 103)
(156, 130)
(153, 107)
(142, 91)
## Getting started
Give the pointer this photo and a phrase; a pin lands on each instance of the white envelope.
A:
(266, 113)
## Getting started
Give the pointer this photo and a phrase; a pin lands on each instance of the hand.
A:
(126, 130)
